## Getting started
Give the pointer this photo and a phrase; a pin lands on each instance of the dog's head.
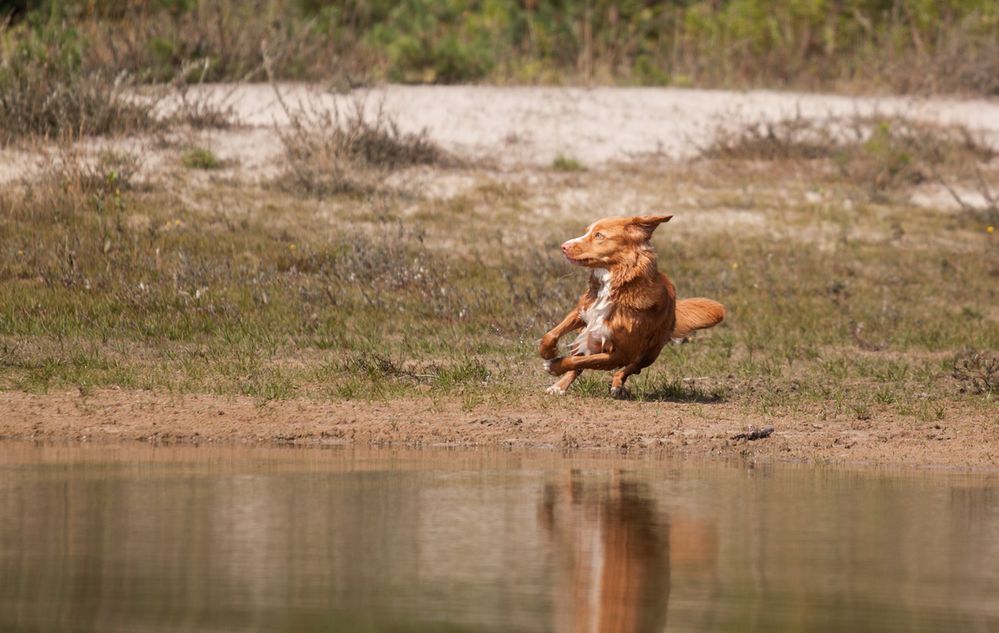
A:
(612, 241)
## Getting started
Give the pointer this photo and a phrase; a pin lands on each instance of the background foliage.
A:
(900, 45)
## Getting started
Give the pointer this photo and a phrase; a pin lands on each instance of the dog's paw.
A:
(555, 390)
(620, 393)
(548, 348)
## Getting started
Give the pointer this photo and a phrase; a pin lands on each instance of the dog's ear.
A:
(648, 223)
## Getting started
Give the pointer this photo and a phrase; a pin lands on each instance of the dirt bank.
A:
(966, 439)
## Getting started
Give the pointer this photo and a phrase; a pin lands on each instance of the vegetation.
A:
(857, 304)
(339, 275)
(47, 90)
(331, 152)
(200, 158)
(567, 163)
(881, 155)
(900, 45)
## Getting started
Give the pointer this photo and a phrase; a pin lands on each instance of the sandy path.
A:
(966, 439)
(531, 125)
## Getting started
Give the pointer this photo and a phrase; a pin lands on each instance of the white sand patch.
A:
(16, 164)
(532, 125)
(594, 125)
(937, 196)
(434, 184)
(718, 220)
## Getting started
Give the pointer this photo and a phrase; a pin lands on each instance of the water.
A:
(138, 538)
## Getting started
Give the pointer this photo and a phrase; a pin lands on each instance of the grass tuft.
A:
(567, 164)
(977, 372)
(336, 150)
(200, 158)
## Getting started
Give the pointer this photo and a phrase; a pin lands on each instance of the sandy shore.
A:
(966, 441)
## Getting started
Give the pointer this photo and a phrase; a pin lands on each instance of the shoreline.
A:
(965, 442)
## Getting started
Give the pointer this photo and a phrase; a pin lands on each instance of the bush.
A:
(878, 153)
(47, 92)
(331, 151)
(977, 372)
(911, 46)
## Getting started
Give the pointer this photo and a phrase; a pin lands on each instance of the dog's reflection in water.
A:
(612, 548)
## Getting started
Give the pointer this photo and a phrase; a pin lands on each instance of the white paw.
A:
(620, 393)
(548, 364)
(555, 390)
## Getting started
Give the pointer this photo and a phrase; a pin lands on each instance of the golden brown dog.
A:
(630, 310)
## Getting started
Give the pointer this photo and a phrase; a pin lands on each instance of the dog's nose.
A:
(565, 247)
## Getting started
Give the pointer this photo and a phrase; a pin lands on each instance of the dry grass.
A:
(45, 93)
(977, 372)
(859, 303)
(567, 164)
(263, 294)
(197, 109)
(880, 155)
(348, 150)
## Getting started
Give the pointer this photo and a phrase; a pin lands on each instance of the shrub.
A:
(330, 150)
(200, 158)
(977, 372)
(908, 46)
(879, 154)
(47, 92)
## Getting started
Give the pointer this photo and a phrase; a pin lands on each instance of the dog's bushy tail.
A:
(696, 314)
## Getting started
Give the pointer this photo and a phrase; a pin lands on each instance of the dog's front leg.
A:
(603, 361)
(549, 342)
(563, 383)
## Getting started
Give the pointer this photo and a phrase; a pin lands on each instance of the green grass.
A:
(567, 163)
(256, 292)
(200, 158)
(909, 46)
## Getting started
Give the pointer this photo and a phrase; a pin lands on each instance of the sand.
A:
(533, 125)
(523, 126)
(967, 441)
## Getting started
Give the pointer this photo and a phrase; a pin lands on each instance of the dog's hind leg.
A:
(563, 383)
(618, 390)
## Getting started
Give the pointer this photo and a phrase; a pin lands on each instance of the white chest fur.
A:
(594, 336)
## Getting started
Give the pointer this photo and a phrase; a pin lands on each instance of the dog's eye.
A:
(598, 236)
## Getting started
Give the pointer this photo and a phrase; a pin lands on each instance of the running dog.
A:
(630, 310)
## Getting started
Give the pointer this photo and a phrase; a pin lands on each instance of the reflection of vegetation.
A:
(912, 45)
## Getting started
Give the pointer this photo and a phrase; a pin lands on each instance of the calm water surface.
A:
(138, 538)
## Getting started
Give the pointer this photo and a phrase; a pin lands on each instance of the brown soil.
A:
(968, 438)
